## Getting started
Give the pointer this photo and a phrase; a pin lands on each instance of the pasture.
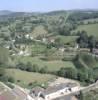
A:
(92, 29)
(67, 39)
(28, 77)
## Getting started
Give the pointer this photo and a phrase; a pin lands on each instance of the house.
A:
(21, 53)
(51, 39)
(59, 90)
(68, 97)
(27, 36)
(62, 49)
(35, 92)
(44, 40)
(53, 92)
(95, 51)
(76, 46)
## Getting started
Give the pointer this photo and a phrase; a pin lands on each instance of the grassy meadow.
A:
(67, 39)
(92, 29)
(28, 77)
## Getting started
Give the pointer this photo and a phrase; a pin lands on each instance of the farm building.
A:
(53, 92)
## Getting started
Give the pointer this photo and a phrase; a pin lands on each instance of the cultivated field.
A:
(51, 65)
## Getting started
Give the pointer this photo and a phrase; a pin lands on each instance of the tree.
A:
(35, 68)
(64, 30)
(43, 70)
(4, 55)
(2, 72)
(68, 72)
(82, 76)
(92, 43)
(21, 66)
(29, 67)
(11, 79)
(83, 39)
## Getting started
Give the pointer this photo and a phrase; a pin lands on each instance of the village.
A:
(60, 89)
(51, 55)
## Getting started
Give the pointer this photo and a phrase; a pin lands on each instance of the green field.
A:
(38, 48)
(92, 29)
(28, 77)
(67, 39)
(51, 65)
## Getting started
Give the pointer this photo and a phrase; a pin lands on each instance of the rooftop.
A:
(58, 87)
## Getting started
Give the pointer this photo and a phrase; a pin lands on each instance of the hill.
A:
(5, 12)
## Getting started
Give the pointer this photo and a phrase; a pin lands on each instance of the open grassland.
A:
(29, 77)
(51, 65)
(67, 39)
(92, 29)
(39, 30)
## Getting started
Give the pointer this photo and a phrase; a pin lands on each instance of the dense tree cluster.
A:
(86, 41)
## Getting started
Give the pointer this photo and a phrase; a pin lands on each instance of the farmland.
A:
(29, 77)
(51, 65)
(67, 39)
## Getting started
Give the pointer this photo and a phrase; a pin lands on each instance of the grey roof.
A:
(67, 97)
(55, 88)
(36, 90)
(64, 98)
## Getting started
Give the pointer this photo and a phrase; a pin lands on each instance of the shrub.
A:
(11, 79)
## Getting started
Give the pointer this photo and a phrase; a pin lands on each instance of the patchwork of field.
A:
(54, 65)
(92, 29)
(28, 77)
